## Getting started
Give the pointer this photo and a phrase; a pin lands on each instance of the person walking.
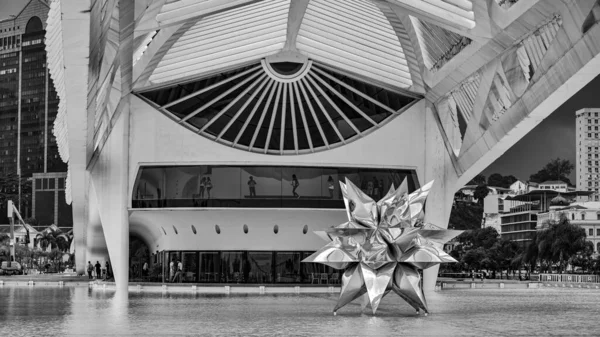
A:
(90, 270)
(252, 187)
(209, 186)
(172, 269)
(295, 185)
(145, 269)
(98, 270)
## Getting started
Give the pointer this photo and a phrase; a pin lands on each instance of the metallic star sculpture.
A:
(382, 246)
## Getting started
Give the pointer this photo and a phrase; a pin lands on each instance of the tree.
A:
(465, 216)
(495, 179)
(478, 180)
(560, 243)
(481, 191)
(47, 239)
(499, 180)
(556, 169)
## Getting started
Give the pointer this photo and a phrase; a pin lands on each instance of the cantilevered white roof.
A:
(391, 42)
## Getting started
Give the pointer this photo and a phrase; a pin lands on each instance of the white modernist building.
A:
(588, 144)
(216, 131)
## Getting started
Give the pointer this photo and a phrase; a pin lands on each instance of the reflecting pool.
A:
(38, 311)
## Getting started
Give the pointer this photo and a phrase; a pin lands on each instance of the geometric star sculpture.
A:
(383, 246)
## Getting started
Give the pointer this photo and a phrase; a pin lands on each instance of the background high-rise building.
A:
(588, 151)
(28, 101)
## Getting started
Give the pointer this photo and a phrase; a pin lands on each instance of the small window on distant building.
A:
(582, 216)
(572, 216)
(597, 231)
(591, 231)
(589, 135)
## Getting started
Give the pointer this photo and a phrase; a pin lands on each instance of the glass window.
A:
(591, 232)
(261, 185)
(38, 184)
(597, 231)
(45, 184)
(317, 273)
(61, 183)
(51, 182)
(190, 266)
(258, 186)
(210, 267)
(233, 265)
(258, 267)
(287, 267)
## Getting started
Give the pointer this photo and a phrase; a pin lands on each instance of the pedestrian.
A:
(90, 270)
(209, 186)
(330, 186)
(482, 276)
(252, 187)
(98, 271)
(172, 269)
(295, 185)
(201, 190)
(108, 273)
(145, 269)
(178, 272)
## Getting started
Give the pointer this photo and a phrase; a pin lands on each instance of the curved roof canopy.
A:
(372, 39)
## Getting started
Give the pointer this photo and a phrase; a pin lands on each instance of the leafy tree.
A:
(560, 243)
(481, 191)
(556, 169)
(499, 180)
(478, 180)
(465, 216)
(495, 179)
(583, 258)
(47, 239)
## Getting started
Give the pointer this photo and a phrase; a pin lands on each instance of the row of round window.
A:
(245, 228)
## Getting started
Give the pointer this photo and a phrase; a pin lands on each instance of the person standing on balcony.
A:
(295, 185)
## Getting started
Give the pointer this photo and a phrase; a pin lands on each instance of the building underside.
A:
(157, 96)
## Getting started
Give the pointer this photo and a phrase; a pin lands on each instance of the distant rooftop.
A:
(553, 182)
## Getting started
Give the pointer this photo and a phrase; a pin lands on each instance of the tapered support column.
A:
(438, 166)
(110, 182)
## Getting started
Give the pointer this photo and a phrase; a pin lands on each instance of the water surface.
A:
(79, 311)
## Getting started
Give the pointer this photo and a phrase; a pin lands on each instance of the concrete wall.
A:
(149, 225)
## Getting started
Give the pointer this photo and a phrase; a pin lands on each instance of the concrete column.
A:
(437, 166)
(110, 184)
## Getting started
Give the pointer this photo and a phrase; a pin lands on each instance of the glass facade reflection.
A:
(258, 186)
(249, 267)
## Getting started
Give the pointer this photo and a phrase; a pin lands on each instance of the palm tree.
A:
(46, 238)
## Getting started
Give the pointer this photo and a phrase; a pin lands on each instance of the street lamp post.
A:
(12, 232)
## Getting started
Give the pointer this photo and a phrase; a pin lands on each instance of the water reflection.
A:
(80, 311)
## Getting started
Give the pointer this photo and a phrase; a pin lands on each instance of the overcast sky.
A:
(554, 137)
